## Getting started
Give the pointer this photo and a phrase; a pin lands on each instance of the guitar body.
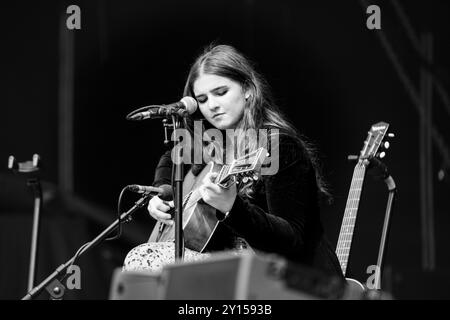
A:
(199, 218)
(355, 285)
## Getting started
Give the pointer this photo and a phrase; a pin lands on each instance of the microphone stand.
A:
(178, 197)
(52, 284)
(177, 116)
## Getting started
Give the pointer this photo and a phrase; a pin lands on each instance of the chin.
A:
(222, 126)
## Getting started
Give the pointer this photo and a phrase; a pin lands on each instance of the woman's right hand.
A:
(158, 210)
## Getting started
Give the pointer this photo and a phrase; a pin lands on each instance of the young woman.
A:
(278, 213)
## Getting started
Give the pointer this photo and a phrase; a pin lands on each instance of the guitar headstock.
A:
(376, 142)
(244, 168)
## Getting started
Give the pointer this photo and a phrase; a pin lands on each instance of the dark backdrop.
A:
(328, 73)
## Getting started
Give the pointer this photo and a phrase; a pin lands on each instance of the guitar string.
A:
(346, 234)
(354, 208)
(348, 225)
(354, 197)
(344, 222)
(349, 221)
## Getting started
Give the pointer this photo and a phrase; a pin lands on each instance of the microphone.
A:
(183, 108)
(164, 191)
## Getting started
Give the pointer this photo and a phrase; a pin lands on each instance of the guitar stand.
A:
(379, 170)
(31, 168)
(390, 183)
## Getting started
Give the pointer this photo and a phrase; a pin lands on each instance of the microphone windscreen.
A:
(190, 104)
(167, 193)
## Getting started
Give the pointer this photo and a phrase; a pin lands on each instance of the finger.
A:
(167, 222)
(203, 193)
(213, 188)
(162, 207)
(169, 203)
(213, 176)
(159, 215)
(153, 203)
(210, 177)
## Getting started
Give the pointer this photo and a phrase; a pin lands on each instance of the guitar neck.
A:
(349, 220)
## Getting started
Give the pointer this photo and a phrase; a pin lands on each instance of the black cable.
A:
(119, 233)
(119, 210)
(74, 258)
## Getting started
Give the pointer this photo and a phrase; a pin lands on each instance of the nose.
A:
(212, 104)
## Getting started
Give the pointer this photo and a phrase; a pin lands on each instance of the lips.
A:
(218, 114)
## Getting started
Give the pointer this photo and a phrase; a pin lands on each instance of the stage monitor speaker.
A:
(135, 285)
(227, 276)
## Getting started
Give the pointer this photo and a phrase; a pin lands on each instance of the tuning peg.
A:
(36, 160)
(382, 154)
(386, 145)
(12, 163)
(441, 175)
(245, 179)
(391, 135)
(255, 177)
(352, 157)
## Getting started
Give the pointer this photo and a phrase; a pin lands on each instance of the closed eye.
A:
(219, 91)
(201, 99)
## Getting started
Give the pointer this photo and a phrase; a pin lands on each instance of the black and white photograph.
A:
(225, 155)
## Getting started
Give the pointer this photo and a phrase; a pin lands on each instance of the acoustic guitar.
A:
(370, 149)
(199, 219)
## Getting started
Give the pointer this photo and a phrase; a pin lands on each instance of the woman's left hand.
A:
(220, 198)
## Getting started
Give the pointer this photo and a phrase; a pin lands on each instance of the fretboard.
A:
(349, 220)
